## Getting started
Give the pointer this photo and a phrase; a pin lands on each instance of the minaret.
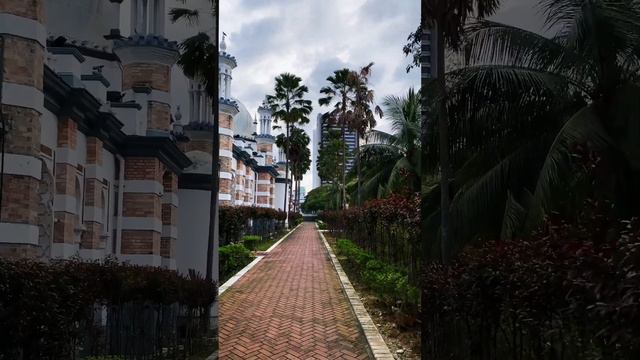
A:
(150, 188)
(266, 180)
(228, 109)
(147, 58)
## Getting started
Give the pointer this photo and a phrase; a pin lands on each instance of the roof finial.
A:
(223, 44)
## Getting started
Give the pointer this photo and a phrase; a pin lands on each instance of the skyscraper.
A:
(323, 128)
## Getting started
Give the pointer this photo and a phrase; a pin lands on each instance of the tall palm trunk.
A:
(443, 132)
(359, 170)
(297, 187)
(286, 176)
(344, 150)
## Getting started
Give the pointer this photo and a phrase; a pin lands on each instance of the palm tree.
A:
(299, 156)
(391, 162)
(363, 116)
(199, 60)
(289, 105)
(329, 165)
(341, 88)
(527, 106)
(447, 19)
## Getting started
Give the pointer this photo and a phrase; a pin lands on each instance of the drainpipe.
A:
(3, 128)
(255, 187)
(120, 201)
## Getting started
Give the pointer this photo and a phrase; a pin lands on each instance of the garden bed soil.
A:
(403, 342)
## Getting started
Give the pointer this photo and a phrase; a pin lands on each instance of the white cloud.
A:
(311, 38)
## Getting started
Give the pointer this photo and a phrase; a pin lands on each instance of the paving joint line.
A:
(229, 283)
(376, 346)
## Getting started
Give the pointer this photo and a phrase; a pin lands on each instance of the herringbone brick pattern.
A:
(290, 306)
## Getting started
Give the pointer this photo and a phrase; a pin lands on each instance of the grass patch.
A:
(265, 245)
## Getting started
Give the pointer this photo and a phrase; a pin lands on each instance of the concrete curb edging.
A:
(255, 261)
(376, 346)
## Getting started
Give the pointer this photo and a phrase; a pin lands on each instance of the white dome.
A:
(243, 122)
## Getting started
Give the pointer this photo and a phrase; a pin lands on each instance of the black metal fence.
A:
(146, 331)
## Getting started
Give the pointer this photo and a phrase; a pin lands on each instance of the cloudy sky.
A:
(311, 39)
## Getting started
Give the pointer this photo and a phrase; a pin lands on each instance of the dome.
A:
(243, 122)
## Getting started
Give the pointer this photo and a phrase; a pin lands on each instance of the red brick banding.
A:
(158, 116)
(30, 9)
(20, 200)
(140, 242)
(24, 136)
(91, 237)
(23, 61)
(94, 151)
(64, 227)
(155, 76)
(226, 121)
(67, 133)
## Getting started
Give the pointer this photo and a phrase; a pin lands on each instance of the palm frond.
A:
(191, 16)
(583, 127)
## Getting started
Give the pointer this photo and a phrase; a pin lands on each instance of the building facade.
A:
(351, 138)
(108, 144)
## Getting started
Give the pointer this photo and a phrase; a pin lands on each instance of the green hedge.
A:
(46, 308)
(234, 222)
(233, 258)
(388, 282)
(251, 241)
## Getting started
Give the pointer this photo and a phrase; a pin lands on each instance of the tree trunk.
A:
(344, 151)
(286, 176)
(297, 195)
(358, 164)
(443, 132)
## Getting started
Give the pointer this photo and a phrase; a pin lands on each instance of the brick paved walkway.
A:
(290, 306)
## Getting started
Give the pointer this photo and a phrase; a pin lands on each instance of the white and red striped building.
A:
(108, 144)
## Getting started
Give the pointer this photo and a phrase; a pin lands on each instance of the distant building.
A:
(315, 141)
(303, 194)
(351, 139)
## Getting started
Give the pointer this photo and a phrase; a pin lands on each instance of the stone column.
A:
(169, 219)
(226, 156)
(142, 210)
(68, 201)
(23, 32)
(92, 241)
(146, 78)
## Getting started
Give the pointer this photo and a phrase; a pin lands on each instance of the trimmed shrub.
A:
(295, 219)
(251, 241)
(387, 228)
(235, 221)
(571, 291)
(47, 309)
(233, 258)
(389, 283)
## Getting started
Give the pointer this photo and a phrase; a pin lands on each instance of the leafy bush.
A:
(570, 291)
(251, 241)
(388, 282)
(295, 218)
(322, 225)
(233, 258)
(235, 221)
(387, 228)
(45, 308)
